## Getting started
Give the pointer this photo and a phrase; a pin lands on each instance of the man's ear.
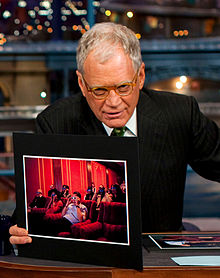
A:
(80, 82)
(141, 76)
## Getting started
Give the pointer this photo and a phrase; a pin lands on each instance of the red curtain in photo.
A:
(112, 177)
(45, 170)
(57, 174)
(38, 175)
(77, 174)
(74, 174)
(32, 180)
(98, 173)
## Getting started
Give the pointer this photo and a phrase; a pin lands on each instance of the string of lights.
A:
(43, 20)
(34, 20)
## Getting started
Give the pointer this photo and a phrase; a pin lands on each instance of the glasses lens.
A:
(124, 89)
(99, 93)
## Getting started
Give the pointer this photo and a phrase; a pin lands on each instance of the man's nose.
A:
(113, 99)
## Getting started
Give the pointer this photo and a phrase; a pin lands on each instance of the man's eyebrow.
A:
(127, 81)
(105, 86)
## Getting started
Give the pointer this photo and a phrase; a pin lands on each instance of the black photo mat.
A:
(103, 149)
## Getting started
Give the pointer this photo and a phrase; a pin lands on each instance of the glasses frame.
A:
(91, 90)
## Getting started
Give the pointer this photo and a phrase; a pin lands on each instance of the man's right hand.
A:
(19, 235)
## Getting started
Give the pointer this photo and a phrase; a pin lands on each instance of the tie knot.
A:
(118, 131)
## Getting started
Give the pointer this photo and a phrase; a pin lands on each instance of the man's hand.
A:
(68, 201)
(19, 235)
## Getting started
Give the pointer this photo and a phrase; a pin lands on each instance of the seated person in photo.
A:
(55, 205)
(39, 200)
(99, 193)
(118, 196)
(53, 190)
(89, 193)
(108, 196)
(93, 188)
(73, 212)
(99, 200)
(65, 191)
(123, 190)
(123, 187)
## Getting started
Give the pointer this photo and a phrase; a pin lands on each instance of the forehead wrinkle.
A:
(110, 73)
(115, 85)
(105, 86)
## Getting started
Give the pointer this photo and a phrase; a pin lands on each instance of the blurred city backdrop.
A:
(180, 42)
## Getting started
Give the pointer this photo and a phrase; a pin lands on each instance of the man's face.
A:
(75, 200)
(39, 194)
(55, 198)
(114, 190)
(122, 186)
(114, 111)
(110, 195)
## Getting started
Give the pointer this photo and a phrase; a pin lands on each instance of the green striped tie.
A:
(118, 131)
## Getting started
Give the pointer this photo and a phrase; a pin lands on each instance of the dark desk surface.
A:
(153, 258)
(157, 263)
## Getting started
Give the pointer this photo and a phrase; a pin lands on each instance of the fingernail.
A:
(27, 240)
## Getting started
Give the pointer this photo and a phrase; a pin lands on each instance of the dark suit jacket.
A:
(172, 133)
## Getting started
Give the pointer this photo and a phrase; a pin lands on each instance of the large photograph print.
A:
(71, 198)
(79, 198)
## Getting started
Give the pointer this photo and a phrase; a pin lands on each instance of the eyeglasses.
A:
(122, 89)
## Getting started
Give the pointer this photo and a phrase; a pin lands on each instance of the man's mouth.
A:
(113, 115)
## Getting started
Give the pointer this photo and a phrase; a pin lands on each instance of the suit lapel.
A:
(152, 130)
(89, 124)
(93, 127)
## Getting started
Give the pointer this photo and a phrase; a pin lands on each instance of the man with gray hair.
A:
(172, 131)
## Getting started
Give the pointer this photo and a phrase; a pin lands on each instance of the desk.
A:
(157, 264)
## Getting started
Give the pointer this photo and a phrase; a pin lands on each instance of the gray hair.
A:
(104, 38)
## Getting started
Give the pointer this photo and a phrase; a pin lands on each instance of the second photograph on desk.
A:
(79, 198)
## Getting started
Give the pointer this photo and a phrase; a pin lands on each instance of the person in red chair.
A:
(89, 193)
(74, 212)
(108, 196)
(99, 195)
(118, 195)
(65, 193)
(55, 206)
(53, 190)
(39, 200)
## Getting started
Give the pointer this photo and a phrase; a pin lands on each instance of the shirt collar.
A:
(131, 126)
